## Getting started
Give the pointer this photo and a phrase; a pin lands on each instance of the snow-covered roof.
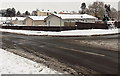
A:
(37, 17)
(4, 18)
(75, 16)
(11, 18)
(20, 18)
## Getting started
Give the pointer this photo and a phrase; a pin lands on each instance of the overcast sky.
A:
(53, 5)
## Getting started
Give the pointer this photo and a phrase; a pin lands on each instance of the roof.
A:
(37, 17)
(75, 16)
(11, 18)
(4, 18)
(19, 18)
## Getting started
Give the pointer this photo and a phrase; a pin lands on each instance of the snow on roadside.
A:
(26, 32)
(85, 32)
(65, 33)
(14, 64)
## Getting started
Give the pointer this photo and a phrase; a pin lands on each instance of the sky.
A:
(52, 5)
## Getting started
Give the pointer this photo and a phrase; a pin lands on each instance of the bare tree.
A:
(101, 10)
(114, 13)
(97, 9)
(34, 13)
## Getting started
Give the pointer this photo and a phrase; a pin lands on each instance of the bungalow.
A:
(18, 20)
(68, 19)
(35, 20)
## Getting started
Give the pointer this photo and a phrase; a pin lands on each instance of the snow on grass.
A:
(14, 64)
(88, 32)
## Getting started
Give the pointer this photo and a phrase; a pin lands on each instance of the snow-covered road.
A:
(14, 64)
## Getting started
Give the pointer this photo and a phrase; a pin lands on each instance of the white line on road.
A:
(82, 51)
(76, 50)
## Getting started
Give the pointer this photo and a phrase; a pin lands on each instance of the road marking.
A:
(82, 51)
(95, 53)
(76, 50)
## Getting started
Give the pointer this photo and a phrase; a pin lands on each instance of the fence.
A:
(81, 25)
(117, 24)
(41, 28)
(63, 28)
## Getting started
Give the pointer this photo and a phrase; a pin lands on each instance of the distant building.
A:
(64, 12)
(68, 19)
(43, 13)
(35, 20)
(18, 20)
(5, 19)
(13, 20)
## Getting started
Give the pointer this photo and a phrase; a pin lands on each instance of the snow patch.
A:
(14, 64)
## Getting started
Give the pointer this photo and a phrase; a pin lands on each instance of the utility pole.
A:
(60, 23)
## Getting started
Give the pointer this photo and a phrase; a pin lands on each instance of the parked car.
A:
(7, 23)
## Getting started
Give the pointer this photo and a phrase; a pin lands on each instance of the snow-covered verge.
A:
(14, 64)
(88, 32)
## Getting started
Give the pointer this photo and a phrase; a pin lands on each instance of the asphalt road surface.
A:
(81, 58)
